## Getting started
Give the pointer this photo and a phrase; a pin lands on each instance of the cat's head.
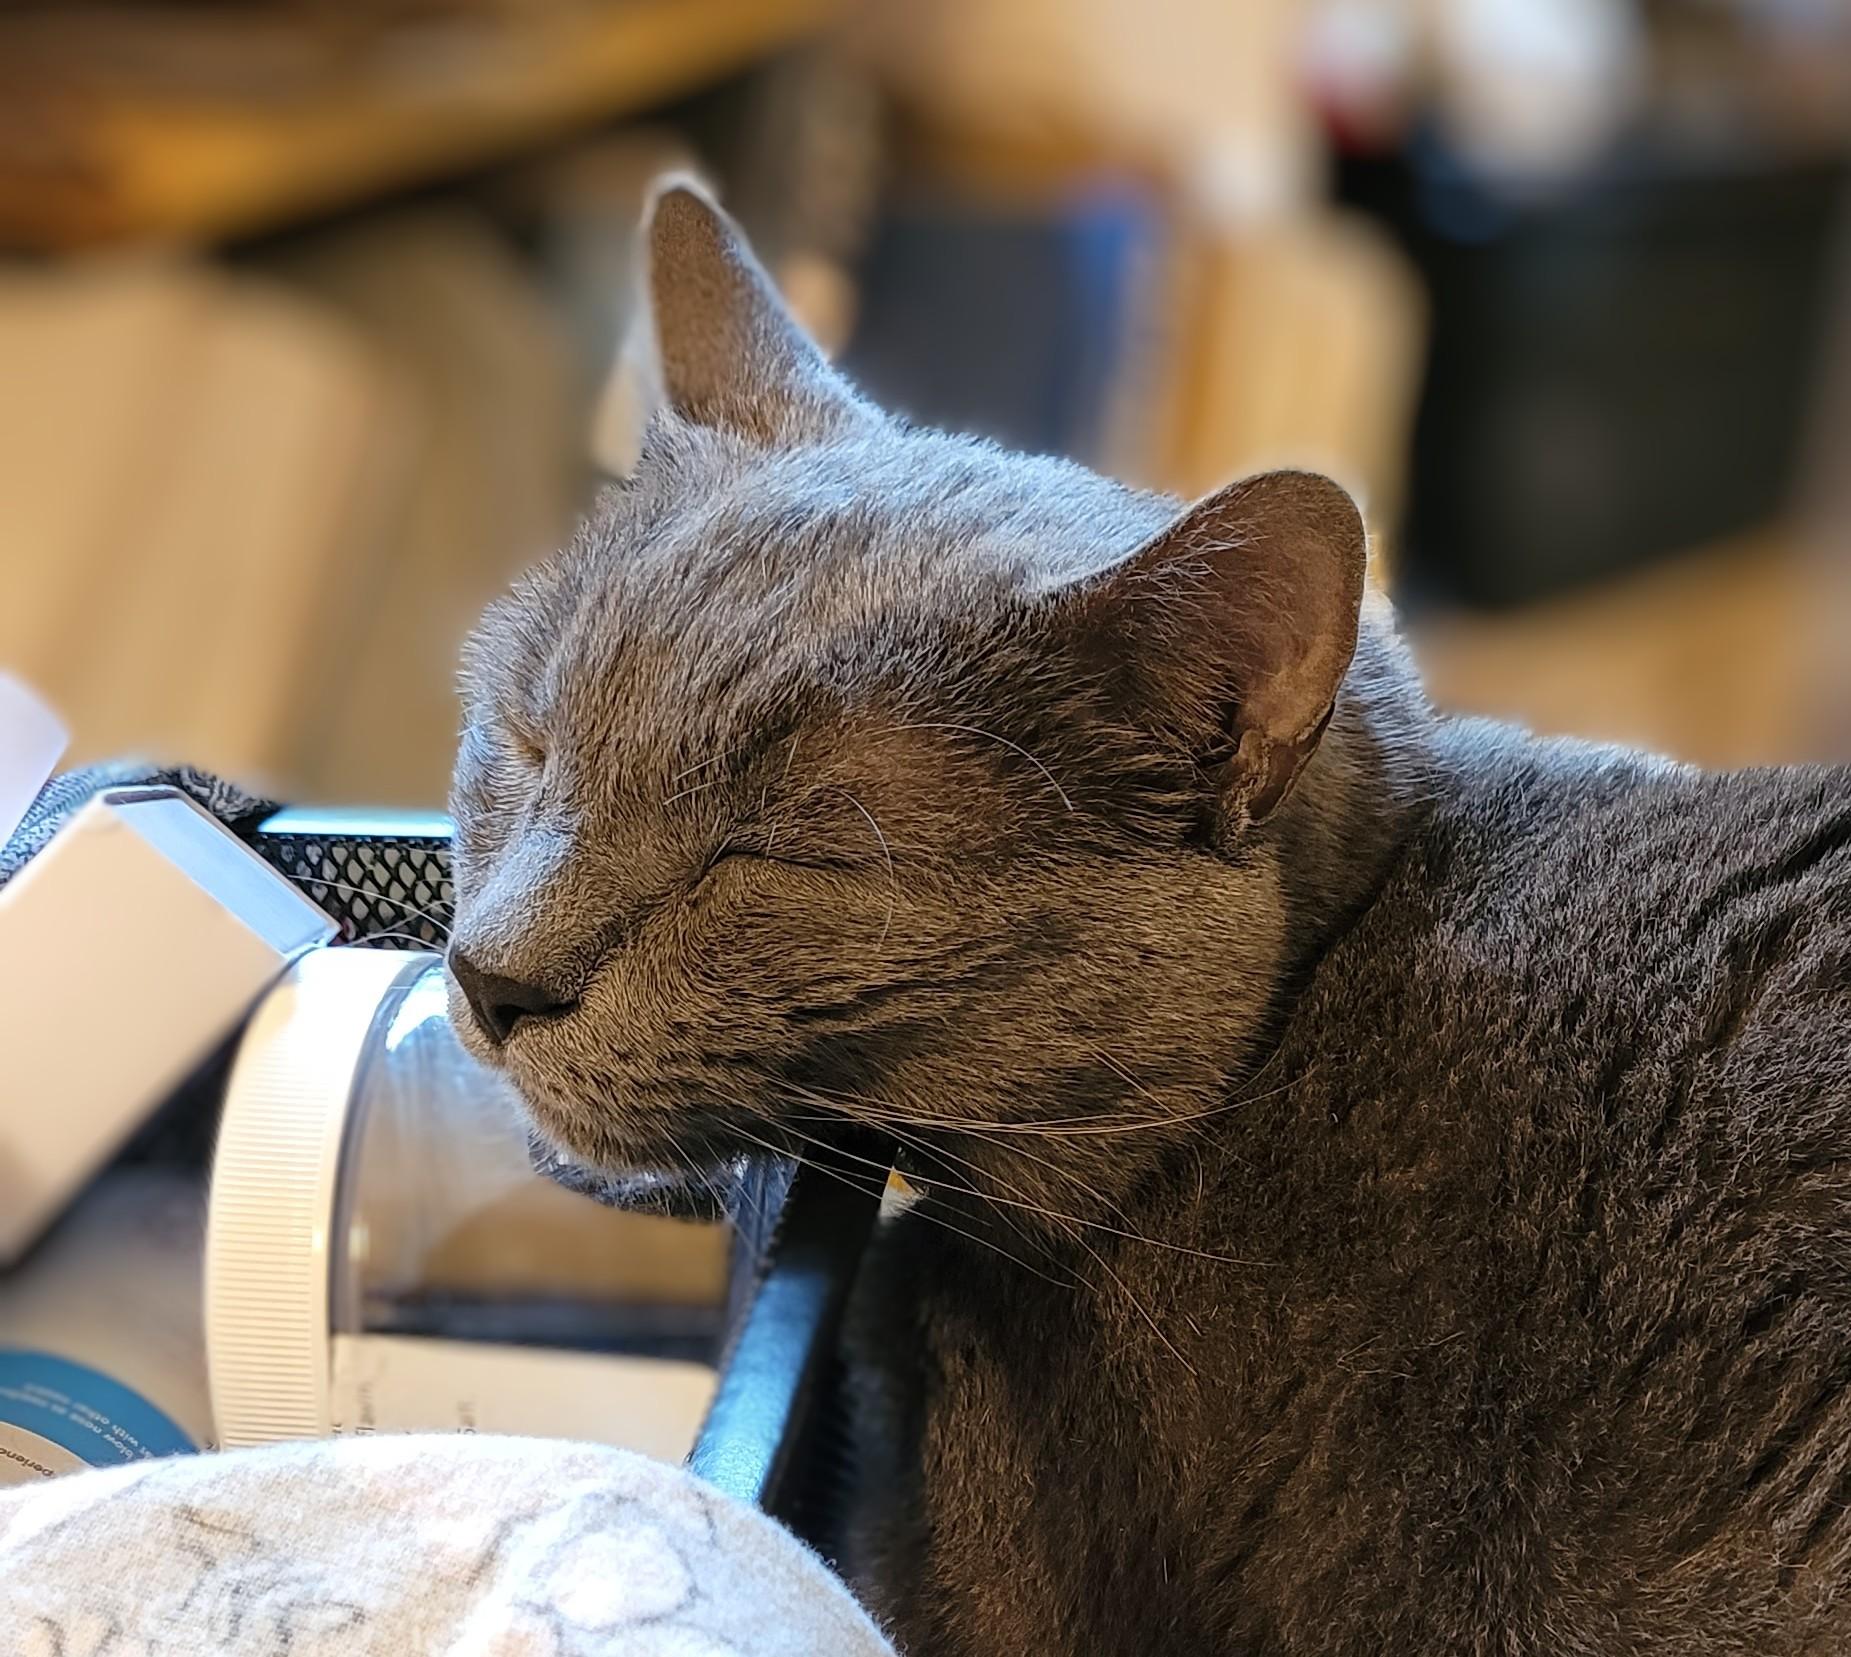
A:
(839, 766)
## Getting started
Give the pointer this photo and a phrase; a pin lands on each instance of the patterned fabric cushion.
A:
(476, 1547)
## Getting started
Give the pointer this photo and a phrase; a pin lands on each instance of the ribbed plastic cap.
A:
(270, 1226)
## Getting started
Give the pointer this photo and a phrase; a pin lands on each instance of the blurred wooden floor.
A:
(1725, 657)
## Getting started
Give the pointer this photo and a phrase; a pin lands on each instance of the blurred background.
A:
(310, 312)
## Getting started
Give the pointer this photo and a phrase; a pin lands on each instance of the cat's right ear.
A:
(1231, 631)
(726, 352)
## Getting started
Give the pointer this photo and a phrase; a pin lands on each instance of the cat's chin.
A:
(620, 1144)
(680, 1195)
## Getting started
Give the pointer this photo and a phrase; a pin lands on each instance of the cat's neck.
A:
(1308, 872)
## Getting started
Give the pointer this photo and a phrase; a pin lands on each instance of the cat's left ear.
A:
(1234, 626)
(727, 352)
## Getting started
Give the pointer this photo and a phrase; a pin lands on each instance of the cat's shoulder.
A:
(1561, 821)
(1556, 880)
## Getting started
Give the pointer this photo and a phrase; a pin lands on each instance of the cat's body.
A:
(1387, 1182)
(1546, 1343)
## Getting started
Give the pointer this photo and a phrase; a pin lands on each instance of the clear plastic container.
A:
(383, 1253)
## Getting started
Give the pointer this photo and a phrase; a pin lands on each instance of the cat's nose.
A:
(501, 1003)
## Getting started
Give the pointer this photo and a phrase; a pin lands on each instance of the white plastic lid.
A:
(274, 1183)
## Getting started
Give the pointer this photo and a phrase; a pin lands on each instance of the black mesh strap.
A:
(383, 876)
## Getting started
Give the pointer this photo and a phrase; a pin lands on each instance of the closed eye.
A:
(729, 854)
(741, 853)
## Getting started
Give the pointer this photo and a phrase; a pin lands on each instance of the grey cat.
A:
(1387, 1181)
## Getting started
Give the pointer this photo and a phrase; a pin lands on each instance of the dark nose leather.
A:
(501, 1003)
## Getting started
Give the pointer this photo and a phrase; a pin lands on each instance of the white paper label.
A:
(405, 1383)
(25, 1458)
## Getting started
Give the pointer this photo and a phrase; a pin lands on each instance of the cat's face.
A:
(837, 768)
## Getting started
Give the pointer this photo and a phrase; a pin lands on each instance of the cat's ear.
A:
(728, 354)
(1235, 626)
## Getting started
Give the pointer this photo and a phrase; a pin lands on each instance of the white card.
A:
(130, 948)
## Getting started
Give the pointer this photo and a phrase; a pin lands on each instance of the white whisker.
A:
(893, 883)
(877, 1189)
(693, 788)
(1124, 1288)
(373, 896)
(1040, 1247)
(1014, 747)
(1060, 1217)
